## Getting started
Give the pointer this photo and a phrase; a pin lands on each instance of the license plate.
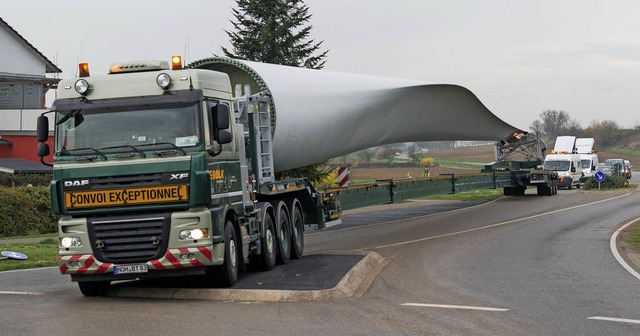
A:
(128, 269)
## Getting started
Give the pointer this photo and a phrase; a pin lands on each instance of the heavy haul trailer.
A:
(521, 159)
(156, 175)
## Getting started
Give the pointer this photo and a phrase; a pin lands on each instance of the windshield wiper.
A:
(65, 151)
(175, 149)
(135, 149)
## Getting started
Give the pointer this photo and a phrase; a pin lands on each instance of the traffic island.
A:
(321, 277)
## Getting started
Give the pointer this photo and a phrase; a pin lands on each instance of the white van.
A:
(588, 163)
(568, 167)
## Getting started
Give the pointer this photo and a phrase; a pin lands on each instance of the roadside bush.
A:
(11, 180)
(25, 210)
(610, 182)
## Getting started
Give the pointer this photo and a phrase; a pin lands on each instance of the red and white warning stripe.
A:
(344, 176)
(201, 256)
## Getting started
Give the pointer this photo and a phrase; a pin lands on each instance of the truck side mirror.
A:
(224, 137)
(573, 169)
(220, 116)
(43, 149)
(42, 129)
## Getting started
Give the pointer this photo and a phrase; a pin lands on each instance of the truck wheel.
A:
(94, 288)
(284, 236)
(267, 260)
(297, 238)
(227, 274)
(507, 191)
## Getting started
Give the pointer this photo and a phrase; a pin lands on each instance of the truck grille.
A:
(129, 239)
(142, 180)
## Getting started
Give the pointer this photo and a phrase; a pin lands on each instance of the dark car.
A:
(618, 166)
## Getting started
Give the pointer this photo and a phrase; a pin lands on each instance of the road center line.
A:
(614, 249)
(18, 293)
(614, 319)
(501, 223)
(429, 305)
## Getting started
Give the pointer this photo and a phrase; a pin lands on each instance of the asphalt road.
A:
(517, 266)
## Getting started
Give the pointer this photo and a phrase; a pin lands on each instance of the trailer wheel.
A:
(297, 239)
(284, 236)
(94, 288)
(227, 274)
(267, 260)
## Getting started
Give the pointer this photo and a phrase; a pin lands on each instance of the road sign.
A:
(12, 255)
(599, 176)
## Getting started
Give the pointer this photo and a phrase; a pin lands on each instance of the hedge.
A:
(25, 210)
(610, 182)
(11, 180)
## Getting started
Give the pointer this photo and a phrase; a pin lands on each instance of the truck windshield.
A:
(127, 129)
(557, 165)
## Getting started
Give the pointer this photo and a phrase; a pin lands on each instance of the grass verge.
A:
(474, 195)
(42, 254)
(634, 237)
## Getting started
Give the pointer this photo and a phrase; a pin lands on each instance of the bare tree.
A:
(367, 154)
(605, 133)
(414, 153)
(556, 122)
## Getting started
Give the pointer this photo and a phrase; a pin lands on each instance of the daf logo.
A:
(179, 176)
(76, 183)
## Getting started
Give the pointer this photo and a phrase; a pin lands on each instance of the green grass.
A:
(41, 254)
(623, 151)
(634, 237)
(32, 235)
(474, 195)
(461, 164)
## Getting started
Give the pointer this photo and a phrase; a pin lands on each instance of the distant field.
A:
(476, 156)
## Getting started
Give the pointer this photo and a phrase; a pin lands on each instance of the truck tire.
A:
(266, 261)
(507, 191)
(297, 237)
(284, 233)
(94, 288)
(227, 274)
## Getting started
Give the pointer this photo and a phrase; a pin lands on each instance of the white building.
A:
(25, 77)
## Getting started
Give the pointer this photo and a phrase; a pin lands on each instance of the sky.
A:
(519, 57)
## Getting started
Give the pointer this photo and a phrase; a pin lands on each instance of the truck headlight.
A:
(194, 234)
(163, 80)
(67, 242)
(81, 86)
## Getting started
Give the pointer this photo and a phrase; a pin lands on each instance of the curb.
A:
(354, 283)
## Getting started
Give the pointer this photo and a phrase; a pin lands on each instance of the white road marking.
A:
(429, 305)
(614, 249)
(614, 319)
(500, 224)
(18, 293)
(28, 269)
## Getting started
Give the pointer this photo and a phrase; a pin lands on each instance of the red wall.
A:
(24, 147)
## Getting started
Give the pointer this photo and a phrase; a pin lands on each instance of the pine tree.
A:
(274, 31)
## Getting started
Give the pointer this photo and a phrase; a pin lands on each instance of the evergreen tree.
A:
(275, 31)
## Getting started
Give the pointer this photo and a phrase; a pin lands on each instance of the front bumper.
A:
(85, 265)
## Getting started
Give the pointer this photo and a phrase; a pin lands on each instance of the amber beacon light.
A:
(83, 69)
(176, 62)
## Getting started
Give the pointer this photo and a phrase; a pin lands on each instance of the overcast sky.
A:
(519, 57)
